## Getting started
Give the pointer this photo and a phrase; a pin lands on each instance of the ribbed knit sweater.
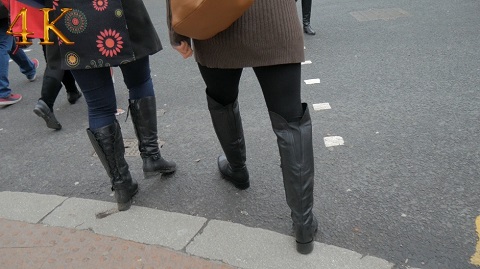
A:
(268, 33)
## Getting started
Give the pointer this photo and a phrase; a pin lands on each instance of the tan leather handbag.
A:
(203, 19)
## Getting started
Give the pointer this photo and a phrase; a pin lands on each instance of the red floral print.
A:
(109, 42)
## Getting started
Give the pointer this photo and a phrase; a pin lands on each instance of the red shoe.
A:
(10, 100)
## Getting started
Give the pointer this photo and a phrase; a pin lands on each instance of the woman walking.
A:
(125, 38)
(268, 38)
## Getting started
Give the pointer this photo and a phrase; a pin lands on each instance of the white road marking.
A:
(331, 141)
(312, 81)
(321, 106)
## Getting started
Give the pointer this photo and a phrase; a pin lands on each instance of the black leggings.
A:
(280, 86)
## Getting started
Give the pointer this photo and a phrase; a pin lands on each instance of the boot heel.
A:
(305, 248)
(124, 206)
(124, 198)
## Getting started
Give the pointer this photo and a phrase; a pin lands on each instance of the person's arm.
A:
(179, 42)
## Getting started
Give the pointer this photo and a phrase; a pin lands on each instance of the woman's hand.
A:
(184, 49)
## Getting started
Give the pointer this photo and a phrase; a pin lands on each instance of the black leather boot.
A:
(228, 127)
(144, 118)
(44, 107)
(294, 141)
(42, 110)
(108, 144)
(306, 12)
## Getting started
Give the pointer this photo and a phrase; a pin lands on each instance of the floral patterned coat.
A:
(104, 32)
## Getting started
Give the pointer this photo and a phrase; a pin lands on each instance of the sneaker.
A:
(36, 63)
(10, 100)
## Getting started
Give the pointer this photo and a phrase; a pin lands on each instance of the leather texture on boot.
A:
(42, 110)
(227, 124)
(108, 144)
(144, 118)
(73, 96)
(294, 141)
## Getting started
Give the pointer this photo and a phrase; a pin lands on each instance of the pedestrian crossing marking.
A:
(312, 81)
(321, 106)
(475, 259)
(379, 14)
(331, 141)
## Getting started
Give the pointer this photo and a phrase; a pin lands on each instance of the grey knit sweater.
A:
(269, 33)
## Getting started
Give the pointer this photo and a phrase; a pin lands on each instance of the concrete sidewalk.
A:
(48, 231)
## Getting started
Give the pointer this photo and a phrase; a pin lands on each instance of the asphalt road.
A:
(402, 80)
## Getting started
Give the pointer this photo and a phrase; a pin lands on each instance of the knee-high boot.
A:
(228, 127)
(144, 118)
(306, 13)
(108, 144)
(294, 141)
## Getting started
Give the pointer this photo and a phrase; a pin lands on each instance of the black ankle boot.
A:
(307, 29)
(108, 144)
(42, 110)
(144, 118)
(228, 127)
(294, 141)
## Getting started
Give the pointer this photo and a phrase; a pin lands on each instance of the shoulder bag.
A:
(203, 19)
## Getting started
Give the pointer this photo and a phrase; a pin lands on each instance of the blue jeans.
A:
(6, 42)
(26, 65)
(97, 87)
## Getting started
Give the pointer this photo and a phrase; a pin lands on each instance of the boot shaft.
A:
(108, 144)
(227, 124)
(294, 141)
(144, 118)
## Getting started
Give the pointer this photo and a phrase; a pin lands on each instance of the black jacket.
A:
(139, 32)
(3, 12)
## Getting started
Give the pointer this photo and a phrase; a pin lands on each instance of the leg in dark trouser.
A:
(228, 127)
(296, 151)
(44, 108)
(108, 144)
(292, 125)
(142, 105)
(306, 14)
(51, 86)
(104, 131)
(72, 92)
(222, 93)
(144, 118)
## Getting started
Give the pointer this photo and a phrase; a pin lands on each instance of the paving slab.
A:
(29, 207)
(248, 247)
(140, 224)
